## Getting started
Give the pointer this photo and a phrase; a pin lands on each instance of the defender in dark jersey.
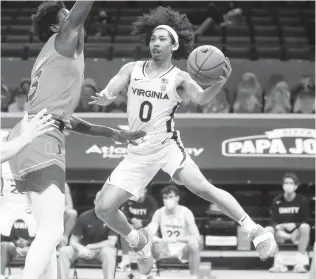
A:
(39, 170)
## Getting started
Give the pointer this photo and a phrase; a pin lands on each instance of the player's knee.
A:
(305, 229)
(102, 209)
(194, 245)
(269, 229)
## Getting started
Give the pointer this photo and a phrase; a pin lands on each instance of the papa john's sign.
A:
(286, 142)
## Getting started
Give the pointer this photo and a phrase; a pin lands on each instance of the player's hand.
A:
(279, 227)
(86, 253)
(127, 137)
(102, 99)
(137, 223)
(289, 226)
(227, 72)
(37, 126)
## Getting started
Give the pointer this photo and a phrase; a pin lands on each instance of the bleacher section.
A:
(280, 30)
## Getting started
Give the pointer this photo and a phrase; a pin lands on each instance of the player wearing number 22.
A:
(155, 90)
(39, 170)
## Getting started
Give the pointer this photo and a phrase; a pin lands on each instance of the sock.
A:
(247, 224)
(132, 238)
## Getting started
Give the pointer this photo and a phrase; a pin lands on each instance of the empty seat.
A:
(237, 52)
(268, 52)
(265, 31)
(20, 29)
(237, 30)
(143, 52)
(127, 39)
(259, 12)
(18, 38)
(238, 41)
(127, 20)
(27, 11)
(296, 42)
(124, 29)
(6, 20)
(102, 51)
(12, 50)
(291, 31)
(290, 21)
(102, 39)
(267, 41)
(21, 20)
(287, 13)
(302, 53)
(210, 40)
(34, 49)
(124, 50)
(262, 20)
(131, 12)
(4, 29)
(9, 12)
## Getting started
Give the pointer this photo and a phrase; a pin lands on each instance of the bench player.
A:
(155, 90)
(39, 170)
(180, 235)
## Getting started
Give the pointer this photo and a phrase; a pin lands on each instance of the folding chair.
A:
(168, 263)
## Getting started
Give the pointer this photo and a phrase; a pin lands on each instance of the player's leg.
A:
(127, 180)
(125, 263)
(8, 250)
(301, 237)
(48, 209)
(107, 256)
(67, 255)
(51, 270)
(181, 168)
(192, 252)
(278, 264)
(70, 217)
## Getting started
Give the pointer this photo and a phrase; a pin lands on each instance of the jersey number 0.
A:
(145, 112)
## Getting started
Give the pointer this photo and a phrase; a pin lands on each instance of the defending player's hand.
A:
(102, 99)
(37, 126)
(127, 137)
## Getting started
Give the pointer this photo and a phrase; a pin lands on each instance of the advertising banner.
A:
(227, 148)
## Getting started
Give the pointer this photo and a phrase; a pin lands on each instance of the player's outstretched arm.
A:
(32, 129)
(72, 28)
(117, 84)
(195, 92)
(81, 126)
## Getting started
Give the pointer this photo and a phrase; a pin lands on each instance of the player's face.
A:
(160, 45)
(289, 185)
(170, 200)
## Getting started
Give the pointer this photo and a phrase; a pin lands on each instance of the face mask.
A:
(288, 188)
(170, 203)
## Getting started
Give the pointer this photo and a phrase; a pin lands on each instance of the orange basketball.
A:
(205, 65)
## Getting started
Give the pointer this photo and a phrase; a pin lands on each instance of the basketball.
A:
(205, 65)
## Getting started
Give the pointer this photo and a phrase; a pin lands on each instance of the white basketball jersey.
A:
(152, 102)
(8, 191)
(173, 225)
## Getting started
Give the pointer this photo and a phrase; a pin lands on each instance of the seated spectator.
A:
(70, 217)
(16, 245)
(25, 85)
(5, 96)
(187, 106)
(20, 99)
(272, 81)
(139, 214)
(303, 96)
(89, 88)
(90, 239)
(180, 235)
(104, 24)
(289, 216)
(248, 95)
(278, 101)
(219, 104)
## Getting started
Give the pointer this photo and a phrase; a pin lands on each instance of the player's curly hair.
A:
(165, 15)
(45, 16)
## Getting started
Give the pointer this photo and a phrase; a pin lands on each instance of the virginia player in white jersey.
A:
(155, 89)
(180, 237)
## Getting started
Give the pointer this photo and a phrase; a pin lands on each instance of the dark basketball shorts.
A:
(41, 163)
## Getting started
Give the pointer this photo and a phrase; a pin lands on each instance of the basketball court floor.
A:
(183, 274)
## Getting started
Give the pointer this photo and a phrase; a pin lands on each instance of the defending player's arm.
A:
(194, 92)
(81, 126)
(193, 230)
(117, 84)
(72, 30)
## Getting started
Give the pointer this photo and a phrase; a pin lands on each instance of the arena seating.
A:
(279, 31)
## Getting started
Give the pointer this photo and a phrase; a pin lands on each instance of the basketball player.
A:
(39, 170)
(180, 235)
(31, 130)
(155, 90)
